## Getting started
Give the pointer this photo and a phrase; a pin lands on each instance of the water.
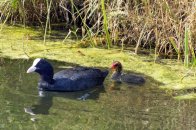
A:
(112, 107)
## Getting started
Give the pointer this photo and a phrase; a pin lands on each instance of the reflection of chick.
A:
(114, 86)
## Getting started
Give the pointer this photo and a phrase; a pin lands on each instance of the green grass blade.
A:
(174, 44)
(193, 56)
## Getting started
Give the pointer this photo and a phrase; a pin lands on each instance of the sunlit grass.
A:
(186, 97)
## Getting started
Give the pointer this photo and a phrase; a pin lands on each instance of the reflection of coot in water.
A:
(45, 102)
(127, 78)
(42, 107)
(73, 79)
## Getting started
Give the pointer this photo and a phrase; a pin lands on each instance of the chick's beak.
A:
(112, 67)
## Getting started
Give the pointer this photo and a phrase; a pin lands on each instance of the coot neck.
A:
(116, 75)
(48, 79)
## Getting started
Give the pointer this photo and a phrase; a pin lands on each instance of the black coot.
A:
(73, 79)
(127, 78)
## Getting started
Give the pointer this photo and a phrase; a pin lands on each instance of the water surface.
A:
(112, 107)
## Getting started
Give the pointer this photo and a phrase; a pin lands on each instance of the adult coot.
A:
(73, 79)
(127, 78)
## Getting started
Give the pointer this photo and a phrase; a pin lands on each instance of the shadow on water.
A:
(113, 107)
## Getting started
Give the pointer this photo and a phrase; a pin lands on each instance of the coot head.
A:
(116, 66)
(43, 68)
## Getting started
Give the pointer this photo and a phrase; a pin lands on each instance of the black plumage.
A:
(73, 79)
(127, 78)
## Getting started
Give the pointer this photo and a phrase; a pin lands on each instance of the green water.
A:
(112, 107)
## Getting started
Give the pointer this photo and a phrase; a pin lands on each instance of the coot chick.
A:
(73, 79)
(127, 78)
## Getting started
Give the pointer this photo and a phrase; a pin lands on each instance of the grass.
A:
(187, 96)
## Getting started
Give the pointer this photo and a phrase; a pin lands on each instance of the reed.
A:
(186, 48)
(105, 23)
(49, 3)
(174, 44)
(89, 33)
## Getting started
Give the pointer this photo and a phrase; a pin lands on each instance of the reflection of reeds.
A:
(143, 24)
